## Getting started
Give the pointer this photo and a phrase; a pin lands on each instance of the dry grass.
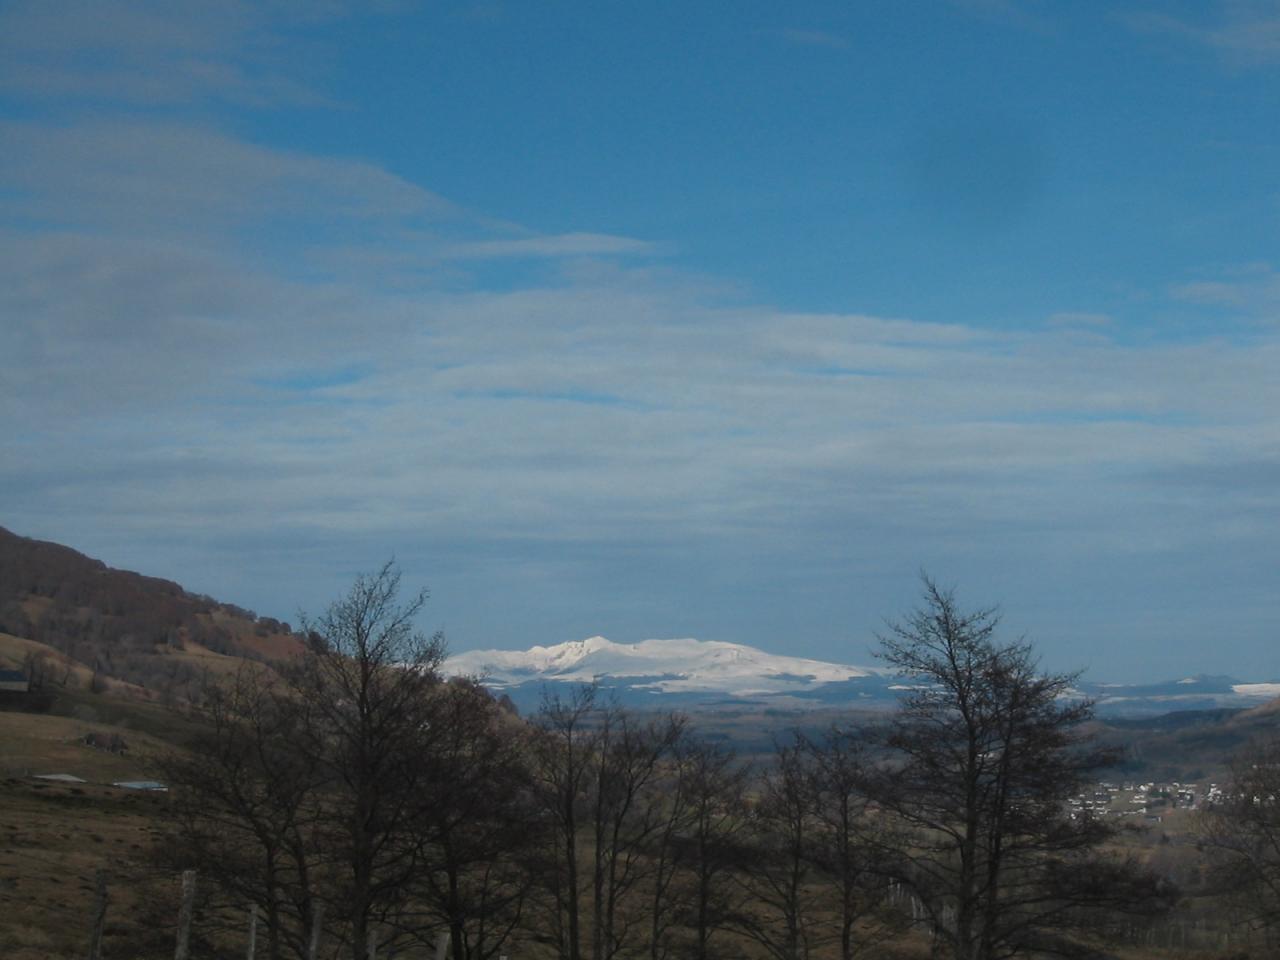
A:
(14, 652)
(204, 660)
(66, 672)
(32, 743)
(274, 646)
(55, 836)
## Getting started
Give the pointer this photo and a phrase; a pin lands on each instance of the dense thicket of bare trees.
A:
(356, 795)
(244, 811)
(846, 846)
(477, 832)
(359, 794)
(777, 878)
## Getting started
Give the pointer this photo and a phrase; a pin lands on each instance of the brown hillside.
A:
(119, 627)
(1268, 710)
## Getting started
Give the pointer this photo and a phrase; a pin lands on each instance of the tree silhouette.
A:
(986, 750)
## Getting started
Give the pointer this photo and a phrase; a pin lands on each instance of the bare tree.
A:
(366, 683)
(36, 667)
(707, 850)
(478, 829)
(627, 816)
(244, 807)
(563, 751)
(664, 892)
(987, 751)
(778, 872)
(844, 847)
(1242, 832)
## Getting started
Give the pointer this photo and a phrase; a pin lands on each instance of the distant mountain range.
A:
(711, 673)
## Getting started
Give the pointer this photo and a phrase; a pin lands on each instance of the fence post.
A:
(183, 949)
(372, 951)
(317, 918)
(253, 931)
(442, 945)
(99, 914)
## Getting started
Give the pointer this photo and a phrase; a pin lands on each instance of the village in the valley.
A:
(1150, 802)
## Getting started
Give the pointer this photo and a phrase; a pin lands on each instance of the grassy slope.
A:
(55, 836)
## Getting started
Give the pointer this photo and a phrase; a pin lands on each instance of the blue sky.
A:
(659, 319)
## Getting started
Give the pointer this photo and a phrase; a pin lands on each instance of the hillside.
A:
(68, 619)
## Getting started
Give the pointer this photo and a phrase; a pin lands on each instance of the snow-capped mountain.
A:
(684, 666)
(690, 672)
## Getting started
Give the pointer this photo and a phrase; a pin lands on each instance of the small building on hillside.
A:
(15, 681)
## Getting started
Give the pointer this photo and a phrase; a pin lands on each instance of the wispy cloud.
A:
(675, 417)
(559, 245)
(814, 38)
(156, 53)
(1076, 318)
(1253, 288)
(181, 177)
(1245, 32)
(1026, 14)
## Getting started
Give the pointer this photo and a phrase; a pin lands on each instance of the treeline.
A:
(361, 799)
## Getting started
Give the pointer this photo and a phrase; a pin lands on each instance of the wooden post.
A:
(253, 931)
(183, 949)
(442, 945)
(372, 951)
(99, 914)
(317, 920)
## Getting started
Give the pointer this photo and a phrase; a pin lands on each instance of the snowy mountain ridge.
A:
(660, 666)
(687, 673)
